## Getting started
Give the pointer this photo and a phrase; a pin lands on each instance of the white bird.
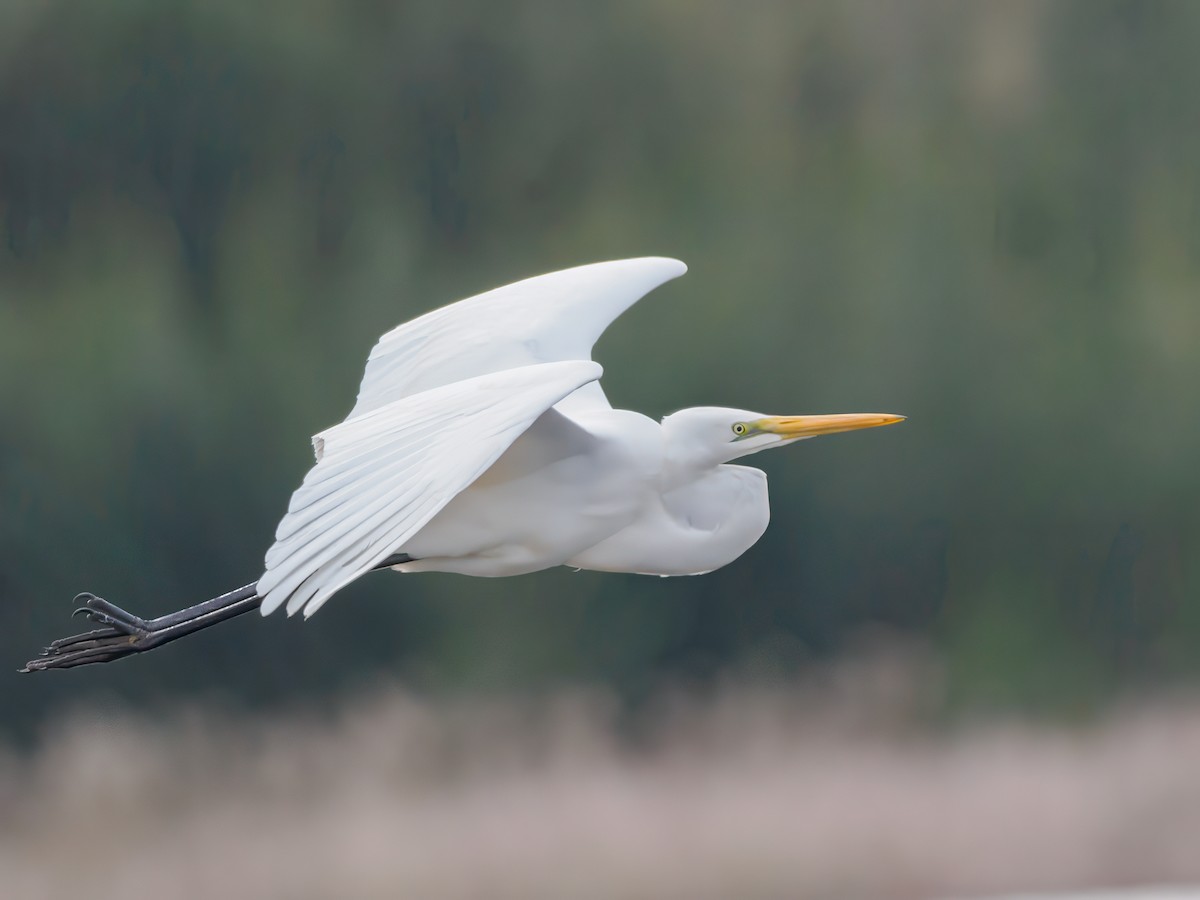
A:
(482, 443)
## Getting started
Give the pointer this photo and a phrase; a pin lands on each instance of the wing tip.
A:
(677, 266)
(663, 268)
(668, 266)
(269, 605)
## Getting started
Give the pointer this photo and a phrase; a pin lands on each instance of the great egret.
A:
(482, 443)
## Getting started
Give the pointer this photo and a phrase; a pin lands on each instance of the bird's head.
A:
(706, 436)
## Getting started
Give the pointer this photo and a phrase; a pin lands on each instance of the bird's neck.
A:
(683, 461)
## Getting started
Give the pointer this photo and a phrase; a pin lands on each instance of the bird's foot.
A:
(121, 634)
(100, 611)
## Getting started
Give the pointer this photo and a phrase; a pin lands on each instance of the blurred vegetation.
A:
(985, 216)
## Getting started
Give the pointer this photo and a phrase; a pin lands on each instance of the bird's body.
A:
(597, 491)
(577, 481)
(481, 443)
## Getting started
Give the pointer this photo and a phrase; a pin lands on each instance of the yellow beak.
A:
(809, 426)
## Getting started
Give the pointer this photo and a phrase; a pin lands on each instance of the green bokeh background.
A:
(985, 216)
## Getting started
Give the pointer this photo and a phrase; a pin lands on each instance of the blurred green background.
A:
(985, 216)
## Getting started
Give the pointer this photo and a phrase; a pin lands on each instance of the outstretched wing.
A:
(381, 476)
(549, 318)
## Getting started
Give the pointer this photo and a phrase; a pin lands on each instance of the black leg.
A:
(124, 634)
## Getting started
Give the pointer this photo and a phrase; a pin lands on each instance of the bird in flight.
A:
(482, 443)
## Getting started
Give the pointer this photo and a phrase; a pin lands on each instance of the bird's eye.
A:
(740, 429)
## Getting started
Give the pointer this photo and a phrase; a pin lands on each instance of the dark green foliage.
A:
(985, 216)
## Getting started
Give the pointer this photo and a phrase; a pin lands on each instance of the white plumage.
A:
(382, 475)
(482, 443)
(550, 318)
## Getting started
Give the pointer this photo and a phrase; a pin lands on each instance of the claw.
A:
(100, 611)
(122, 633)
(94, 635)
(116, 638)
(84, 649)
(96, 616)
(106, 613)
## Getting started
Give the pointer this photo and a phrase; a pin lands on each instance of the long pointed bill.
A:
(792, 427)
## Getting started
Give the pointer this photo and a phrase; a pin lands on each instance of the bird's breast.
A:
(693, 529)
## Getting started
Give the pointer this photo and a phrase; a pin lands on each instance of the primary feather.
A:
(383, 475)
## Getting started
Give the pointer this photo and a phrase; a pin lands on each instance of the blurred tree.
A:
(983, 215)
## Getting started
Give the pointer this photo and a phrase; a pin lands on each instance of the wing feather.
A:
(380, 477)
(550, 318)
